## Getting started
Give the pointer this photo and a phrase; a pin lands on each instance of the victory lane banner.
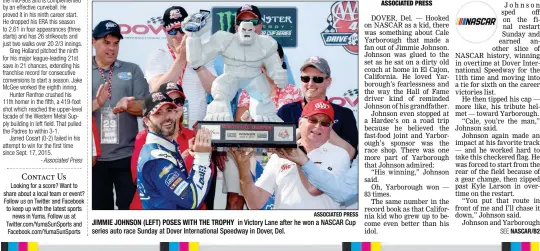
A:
(251, 134)
(279, 22)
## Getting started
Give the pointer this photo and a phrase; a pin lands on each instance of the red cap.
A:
(318, 106)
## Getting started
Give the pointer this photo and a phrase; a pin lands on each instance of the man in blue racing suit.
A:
(162, 180)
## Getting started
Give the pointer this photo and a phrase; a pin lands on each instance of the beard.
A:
(159, 130)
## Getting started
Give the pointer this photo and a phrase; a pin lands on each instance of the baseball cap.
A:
(320, 63)
(105, 28)
(172, 87)
(173, 16)
(248, 8)
(155, 101)
(318, 106)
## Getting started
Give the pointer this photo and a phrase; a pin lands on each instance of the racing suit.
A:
(162, 180)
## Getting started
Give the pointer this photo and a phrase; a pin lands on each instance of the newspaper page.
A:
(118, 133)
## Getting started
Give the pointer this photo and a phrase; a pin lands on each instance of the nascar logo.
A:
(476, 21)
(342, 27)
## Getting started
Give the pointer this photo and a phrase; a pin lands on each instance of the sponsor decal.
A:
(176, 182)
(109, 25)
(215, 129)
(278, 22)
(160, 154)
(202, 172)
(285, 167)
(179, 189)
(125, 75)
(314, 60)
(321, 105)
(172, 86)
(151, 29)
(175, 14)
(184, 194)
(158, 96)
(348, 100)
(246, 7)
(246, 135)
(476, 22)
(342, 29)
(142, 191)
(165, 170)
(283, 133)
(170, 178)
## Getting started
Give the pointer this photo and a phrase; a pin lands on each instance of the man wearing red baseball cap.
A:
(282, 174)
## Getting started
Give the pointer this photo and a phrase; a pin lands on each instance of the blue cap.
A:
(105, 28)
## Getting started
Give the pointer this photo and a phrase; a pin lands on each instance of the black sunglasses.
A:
(179, 101)
(253, 21)
(316, 79)
(173, 32)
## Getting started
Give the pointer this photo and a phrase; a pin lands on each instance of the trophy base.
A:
(251, 134)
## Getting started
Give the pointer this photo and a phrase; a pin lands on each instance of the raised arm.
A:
(313, 190)
(254, 195)
(185, 191)
(198, 53)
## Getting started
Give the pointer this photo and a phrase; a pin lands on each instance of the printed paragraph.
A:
(498, 149)
(42, 81)
(407, 136)
(44, 204)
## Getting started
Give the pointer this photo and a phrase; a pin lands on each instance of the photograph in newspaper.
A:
(225, 106)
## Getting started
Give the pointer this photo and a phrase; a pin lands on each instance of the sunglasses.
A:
(253, 21)
(179, 101)
(316, 79)
(313, 120)
(173, 32)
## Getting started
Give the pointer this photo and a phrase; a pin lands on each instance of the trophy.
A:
(244, 53)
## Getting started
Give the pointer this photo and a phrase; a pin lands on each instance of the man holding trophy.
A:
(244, 53)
